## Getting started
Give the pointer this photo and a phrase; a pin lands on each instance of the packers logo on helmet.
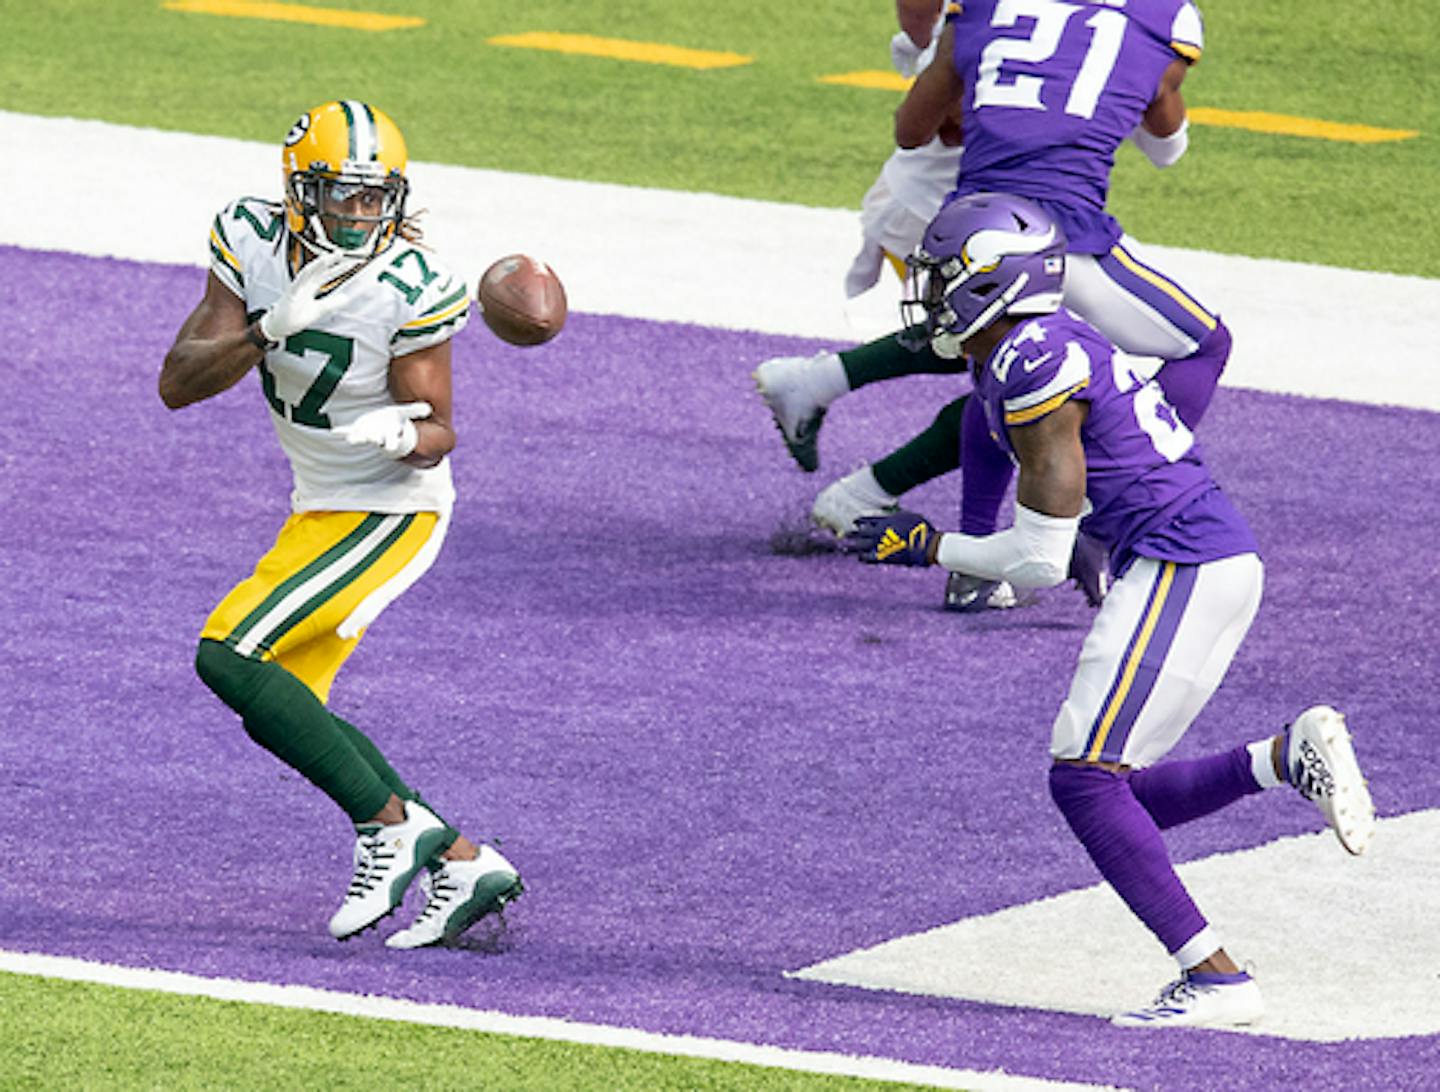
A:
(345, 186)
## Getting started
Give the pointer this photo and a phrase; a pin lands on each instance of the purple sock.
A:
(1176, 792)
(1189, 382)
(985, 473)
(1126, 846)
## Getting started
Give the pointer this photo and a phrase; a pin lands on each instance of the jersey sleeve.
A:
(439, 312)
(1041, 376)
(236, 231)
(1187, 33)
(224, 262)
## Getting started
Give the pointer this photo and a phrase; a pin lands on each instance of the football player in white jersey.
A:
(346, 322)
(913, 182)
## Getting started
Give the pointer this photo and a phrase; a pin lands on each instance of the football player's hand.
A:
(300, 305)
(904, 54)
(390, 428)
(1090, 568)
(900, 538)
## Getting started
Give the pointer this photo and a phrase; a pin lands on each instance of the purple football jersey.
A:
(1052, 88)
(1149, 489)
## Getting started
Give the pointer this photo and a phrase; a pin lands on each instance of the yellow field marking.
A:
(1259, 122)
(619, 49)
(873, 80)
(296, 13)
(1256, 121)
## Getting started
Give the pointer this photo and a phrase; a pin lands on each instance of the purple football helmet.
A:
(984, 255)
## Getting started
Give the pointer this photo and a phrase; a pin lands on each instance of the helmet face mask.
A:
(982, 257)
(345, 213)
(345, 187)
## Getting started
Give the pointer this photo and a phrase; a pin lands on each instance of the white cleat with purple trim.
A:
(1320, 763)
(1200, 1000)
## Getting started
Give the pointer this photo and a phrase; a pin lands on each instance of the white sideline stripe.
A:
(1320, 928)
(689, 257)
(534, 1027)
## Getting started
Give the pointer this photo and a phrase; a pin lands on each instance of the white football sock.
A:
(1262, 768)
(825, 377)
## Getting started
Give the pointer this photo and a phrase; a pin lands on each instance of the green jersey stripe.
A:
(332, 556)
(421, 331)
(229, 264)
(448, 301)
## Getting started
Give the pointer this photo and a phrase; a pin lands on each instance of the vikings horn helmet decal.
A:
(345, 186)
(983, 256)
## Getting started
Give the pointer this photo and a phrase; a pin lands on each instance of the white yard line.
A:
(534, 1027)
(92, 188)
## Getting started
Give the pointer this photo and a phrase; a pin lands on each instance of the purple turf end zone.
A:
(712, 763)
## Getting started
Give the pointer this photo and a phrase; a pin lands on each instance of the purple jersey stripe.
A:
(1143, 659)
(1158, 291)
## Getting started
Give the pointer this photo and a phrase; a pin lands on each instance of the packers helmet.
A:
(345, 186)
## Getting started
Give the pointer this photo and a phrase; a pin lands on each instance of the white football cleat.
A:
(1199, 1000)
(386, 860)
(783, 383)
(457, 895)
(842, 502)
(1320, 763)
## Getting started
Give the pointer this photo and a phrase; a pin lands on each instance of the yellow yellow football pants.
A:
(328, 576)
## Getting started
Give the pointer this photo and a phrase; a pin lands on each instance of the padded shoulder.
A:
(1042, 364)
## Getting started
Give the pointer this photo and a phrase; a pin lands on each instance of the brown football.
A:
(521, 300)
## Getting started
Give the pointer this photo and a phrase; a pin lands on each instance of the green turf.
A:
(78, 1035)
(769, 130)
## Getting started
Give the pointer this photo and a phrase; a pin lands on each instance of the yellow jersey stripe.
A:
(440, 317)
(1035, 412)
(223, 252)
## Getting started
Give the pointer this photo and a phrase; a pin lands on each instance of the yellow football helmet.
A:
(345, 186)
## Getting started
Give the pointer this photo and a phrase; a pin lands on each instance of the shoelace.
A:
(1179, 991)
(1171, 999)
(439, 890)
(371, 860)
(1313, 777)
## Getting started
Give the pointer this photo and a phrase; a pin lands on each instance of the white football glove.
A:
(905, 54)
(298, 307)
(390, 428)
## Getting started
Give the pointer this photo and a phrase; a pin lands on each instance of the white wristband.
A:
(1034, 553)
(1163, 151)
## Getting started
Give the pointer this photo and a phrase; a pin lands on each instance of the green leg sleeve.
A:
(371, 754)
(890, 357)
(285, 717)
(934, 452)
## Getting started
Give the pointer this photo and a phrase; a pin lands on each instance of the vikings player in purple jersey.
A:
(1090, 437)
(1048, 92)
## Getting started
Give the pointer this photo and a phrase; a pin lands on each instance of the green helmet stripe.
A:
(364, 139)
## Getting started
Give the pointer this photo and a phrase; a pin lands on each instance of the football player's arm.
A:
(424, 376)
(214, 348)
(917, 19)
(1052, 462)
(1163, 132)
(1049, 493)
(931, 97)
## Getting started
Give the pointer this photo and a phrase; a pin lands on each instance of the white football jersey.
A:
(327, 376)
